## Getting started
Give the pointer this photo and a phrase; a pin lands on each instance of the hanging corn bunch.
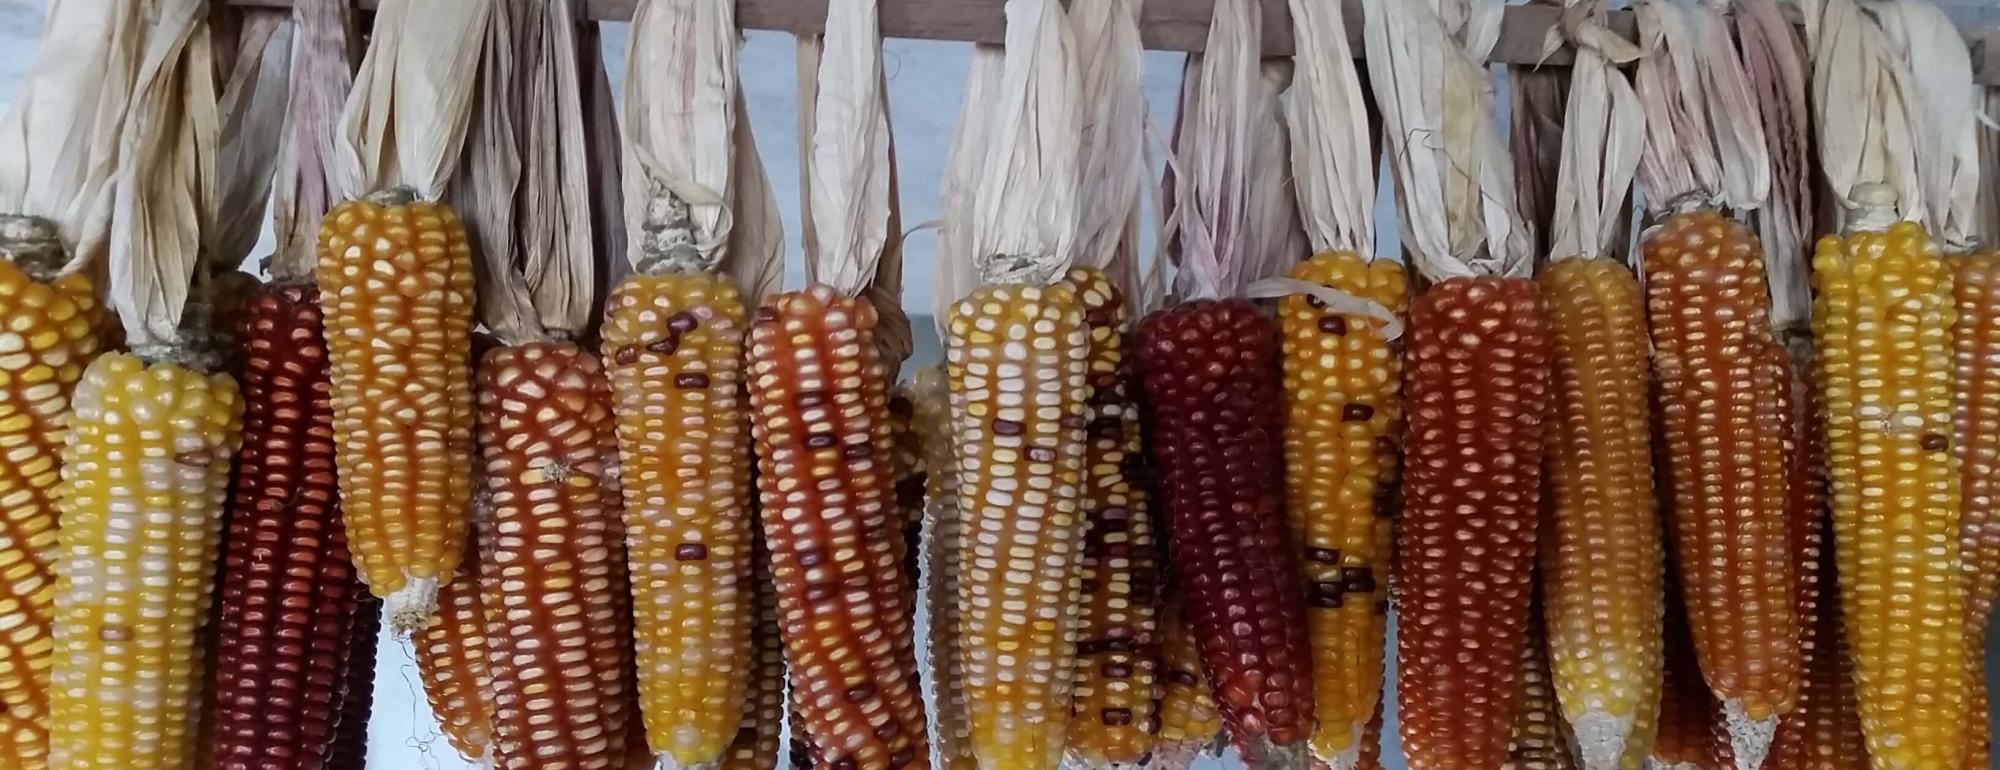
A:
(819, 416)
(1342, 388)
(1476, 385)
(1883, 320)
(1211, 376)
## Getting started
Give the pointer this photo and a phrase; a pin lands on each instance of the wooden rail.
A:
(1167, 25)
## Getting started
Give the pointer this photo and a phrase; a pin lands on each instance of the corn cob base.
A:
(144, 478)
(1976, 359)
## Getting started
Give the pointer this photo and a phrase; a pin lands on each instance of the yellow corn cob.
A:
(1603, 613)
(50, 335)
(755, 746)
(1189, 721)
(1883, 318)
(944, 536)
(1976, 345)
(395, 280)
(144, 476)
(1114, 702)
(675, 348)
(1343, 388)
(453, 662)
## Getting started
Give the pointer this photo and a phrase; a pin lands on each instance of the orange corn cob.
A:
(1603, 613)
(1976, 355)
(554, 609)
(1538, 738)
(944, 537)
(675, 347)
(1719, 408)
(454, 660)
(1189, 721)
(1883, 316)
(756, 744)
(145, 474)
(357, 703)
(1343, 396)
(396, 283)
(1115, 699)
(819, 407)
(1476, 390)
(51, 334)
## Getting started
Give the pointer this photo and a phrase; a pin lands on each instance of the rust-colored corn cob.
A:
(1212, 380)
(357, 703)
(1476, 390)
(675, 347)
(1538, 738)
(288, 587)
(800, 749)
(1687, 713)
(454, 661)
(51, 335)
(1720, 414)
(756, 744)
(1016, 360)
(1188, 718)
(1976, 355)
(944, 536)
(145, 474)
(396, 284)
(820, 419)
(1603, 613)
(1343, 398)
(554, 612)
(907, 457)
(1115, 700)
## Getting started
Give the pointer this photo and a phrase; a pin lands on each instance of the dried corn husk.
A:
(405, 122)
(324, 32)
(1111, 60)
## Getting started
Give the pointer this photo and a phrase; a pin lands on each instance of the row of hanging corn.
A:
(1729, 508)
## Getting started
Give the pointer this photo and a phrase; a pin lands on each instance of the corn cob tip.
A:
(1749, 739)
(411, 608)
(1600, 739)
(1262, 754)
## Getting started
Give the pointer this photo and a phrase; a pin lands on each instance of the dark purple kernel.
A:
(809, 398)
(1358, 579)
(889, 730)
(1117, 670)
(691, 381)
(1333, 324)
(855, 451)
(627, 354)
(821, 440)
(901, 408)
(1324, 555)
(1074, 421)
(1115, 514)
(902, 758)
(1357, 413)
(860, 693)
(1008, 428)
(1184, 678)
(1091, 586)
(1041, 454)
(665, 345)
(1327, 595)
(765, 314)
(691, 552)
(812, 557)
(1107, 427)
(1117, 717)
(1933, 442)
(819, 592)
(683, 322)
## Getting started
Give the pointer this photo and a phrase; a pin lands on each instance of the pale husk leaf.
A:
(1603, 130)
(756, 258)
(59, 143)
(322, 74)
(252, 119)
(1025, 220)
(806, 75)
(1452, 171)
(1273, 237)
(1705, 139)
(484, 192)
(849, 180)
(957, 272)
(893, 335)
(1333, 158)
(1865, 107)
(405, 121)
(1989, 164)
(1213, 151)
(1774, 56)
(607, 201)
(1112, 62)
(553, 208)
(1933, 51)
(680, 81)
(1535, 141)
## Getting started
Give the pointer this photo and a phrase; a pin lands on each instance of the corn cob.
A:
(350, 738)
(1189, 721)
(288, 584)
(1687, 713)
(755, 746)
(1883, 318)
(1603, 613)
(1211, 375)
(454, 661)
(1343, 385)
(396, 283)
(144, 478)
(547, 439)
(819, 416)
(907, 457)
(951, 728)
(1537, 738)
(675, 345)
(1016, 360)
(52, 333)
(1719, 408)
(1476, 389)
(1976, 349)
(800, 749)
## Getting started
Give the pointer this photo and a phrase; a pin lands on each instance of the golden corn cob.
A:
(144, 477)
(1719, 410)
(1883, 316)
(1114, 703)
(1603, 613)
(555, 609)
(1343, 397)
(454, 661)
(819, 407)
(1538, 738)
(944, 536)
(396, 283)
(1976, 354)
(675, 347)
(755, 746)
(51, 335)
(1189, 720)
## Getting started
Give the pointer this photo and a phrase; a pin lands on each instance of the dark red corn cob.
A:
(288, 589)
(1689, 712)
(1476, 389)
(350, 737)
(1210, 371)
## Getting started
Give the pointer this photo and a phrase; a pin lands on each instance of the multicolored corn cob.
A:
(554, 608)
(454, 660)
(675, 347)
(1719, 408)
(755, 746)
(1189, 721)
(1976, 358)
(819, 407)
(907, 456)
(396, 284)
(288, 588)
(350, 737)
(1016, 358)
(1476, 389)
(1603, 613)
(1538, 738)
(944, 535)
(1883, 316)
(1343, 400)
(51, 335)
(1115, 701)
(145, 475)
